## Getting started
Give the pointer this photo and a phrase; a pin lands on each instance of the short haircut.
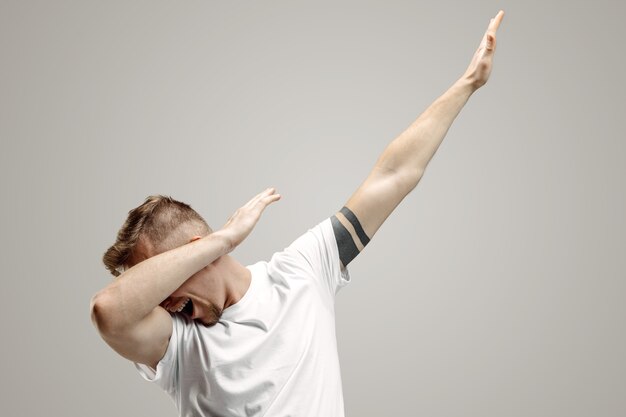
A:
(158, 220)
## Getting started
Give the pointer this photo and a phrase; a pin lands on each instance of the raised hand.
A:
(480, 68)
(241, 223)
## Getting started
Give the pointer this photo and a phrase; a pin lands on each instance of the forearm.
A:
(409, 154)
(137, 291)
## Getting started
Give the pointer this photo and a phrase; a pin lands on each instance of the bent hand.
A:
(241, 223)
(480, 68)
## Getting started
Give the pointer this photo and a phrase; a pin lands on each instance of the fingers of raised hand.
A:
(489, 38)
(495, 22)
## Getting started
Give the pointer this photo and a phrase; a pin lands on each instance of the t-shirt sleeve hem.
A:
(340, 274)
(156, 375)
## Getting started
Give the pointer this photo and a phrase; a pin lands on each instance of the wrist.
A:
(466, 85)
(223, 240)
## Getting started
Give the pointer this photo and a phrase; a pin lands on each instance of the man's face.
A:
(192, 300)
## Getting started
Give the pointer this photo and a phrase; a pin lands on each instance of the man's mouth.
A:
(183, 305)
(187, 308)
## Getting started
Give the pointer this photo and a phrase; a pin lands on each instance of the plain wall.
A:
(497, 288)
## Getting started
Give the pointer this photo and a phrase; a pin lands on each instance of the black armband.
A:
(345, 243)
(356, 224)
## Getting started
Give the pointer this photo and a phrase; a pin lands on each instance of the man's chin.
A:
(207, 324)
(215, 318)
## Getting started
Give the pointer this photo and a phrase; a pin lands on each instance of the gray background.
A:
(495, 289)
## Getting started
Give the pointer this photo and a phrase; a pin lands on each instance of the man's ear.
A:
(194, 238)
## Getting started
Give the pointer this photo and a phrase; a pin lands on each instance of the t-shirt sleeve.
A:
(316, 251)
(166, 373)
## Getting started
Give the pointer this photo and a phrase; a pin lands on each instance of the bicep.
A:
(366, 210)
(147, 341)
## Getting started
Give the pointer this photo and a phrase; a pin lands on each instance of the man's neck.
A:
(236, 278)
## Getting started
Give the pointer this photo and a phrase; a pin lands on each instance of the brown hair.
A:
(156, 220)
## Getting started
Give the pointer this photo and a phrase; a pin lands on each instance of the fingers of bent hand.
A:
(266, 197)
(269, 196)
(266, 192)
(259, 196)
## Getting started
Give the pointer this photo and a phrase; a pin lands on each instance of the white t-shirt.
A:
(274, 352)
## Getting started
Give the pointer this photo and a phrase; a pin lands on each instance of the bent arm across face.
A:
(127, 312)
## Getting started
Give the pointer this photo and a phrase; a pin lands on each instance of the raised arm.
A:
(402, 164)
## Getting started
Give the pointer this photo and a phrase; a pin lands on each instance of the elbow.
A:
(102, 312)
(405, 177)
(408, 178)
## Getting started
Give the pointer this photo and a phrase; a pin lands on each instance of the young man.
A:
(223, 339)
